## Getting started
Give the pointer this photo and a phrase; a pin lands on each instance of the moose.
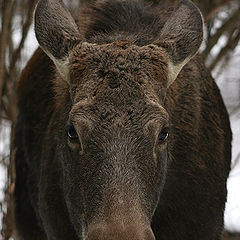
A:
(121, 133)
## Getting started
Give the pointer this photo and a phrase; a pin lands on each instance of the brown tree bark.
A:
(7, 13)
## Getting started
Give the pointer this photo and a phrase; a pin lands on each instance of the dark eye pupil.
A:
(72, 134)
(163, 135)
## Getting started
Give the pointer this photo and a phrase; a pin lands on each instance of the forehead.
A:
(120, 55)
(118, 73)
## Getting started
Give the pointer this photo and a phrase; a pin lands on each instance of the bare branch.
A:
(212, 7)
(25, 30)
(230, 46)
(225, 27)
(7, 10)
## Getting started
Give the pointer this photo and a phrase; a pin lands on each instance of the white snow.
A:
(232, 211)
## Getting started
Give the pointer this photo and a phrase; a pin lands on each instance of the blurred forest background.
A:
(221, 53)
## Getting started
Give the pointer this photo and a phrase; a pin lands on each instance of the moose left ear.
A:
(56, 32)
(181, 36)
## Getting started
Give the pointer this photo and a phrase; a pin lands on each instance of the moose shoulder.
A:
(122, 133)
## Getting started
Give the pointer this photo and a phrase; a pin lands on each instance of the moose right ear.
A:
(56, 32)
(181, 36)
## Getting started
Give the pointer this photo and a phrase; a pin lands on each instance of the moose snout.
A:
(118, 231)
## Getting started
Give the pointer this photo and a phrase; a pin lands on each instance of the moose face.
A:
(115, 156)
(117, 132)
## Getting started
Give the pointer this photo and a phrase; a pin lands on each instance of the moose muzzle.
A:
(117, 231)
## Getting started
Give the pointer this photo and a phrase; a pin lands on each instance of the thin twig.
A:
(25, 30)
(7, 9)
(235, 18)
(229, 47)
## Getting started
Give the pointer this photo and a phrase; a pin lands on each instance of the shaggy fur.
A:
(112, 79)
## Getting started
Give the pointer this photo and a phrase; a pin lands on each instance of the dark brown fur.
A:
(119, 182)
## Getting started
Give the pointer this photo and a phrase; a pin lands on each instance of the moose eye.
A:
(162, 137)
(72, 134)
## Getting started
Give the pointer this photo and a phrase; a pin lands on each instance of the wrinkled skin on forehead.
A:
(120, 72)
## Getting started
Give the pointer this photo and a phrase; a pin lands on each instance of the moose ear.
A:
(56, 32)
(181, 36)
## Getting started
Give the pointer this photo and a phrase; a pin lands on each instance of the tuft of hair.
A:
(136, 20)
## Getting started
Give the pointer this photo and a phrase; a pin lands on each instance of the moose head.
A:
(114, 141)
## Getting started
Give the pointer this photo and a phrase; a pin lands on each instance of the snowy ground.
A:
(229, 83)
